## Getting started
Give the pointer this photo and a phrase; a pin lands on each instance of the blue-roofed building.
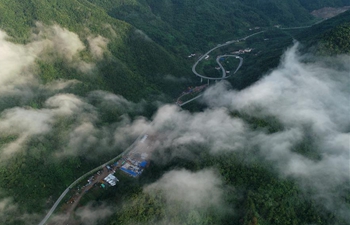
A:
(143, 164)
(132, 173)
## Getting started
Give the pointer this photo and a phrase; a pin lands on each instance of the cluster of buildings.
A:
(134, 164)
(194, 89)
(242, 51)
(189, 91)
(254, 28)
(137, 160)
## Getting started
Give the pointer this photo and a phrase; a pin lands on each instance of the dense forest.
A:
(256, 196)
(132, 60)
(328, 38)
(181, 25)
(82, 79)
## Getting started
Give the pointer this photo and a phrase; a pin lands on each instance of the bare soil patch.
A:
(329, 12)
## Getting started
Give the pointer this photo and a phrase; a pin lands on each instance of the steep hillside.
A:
(133, 65)
(69, 69)
(80, 80)
(138, 60)
(317, 4)
(330, 37)
(186, 26)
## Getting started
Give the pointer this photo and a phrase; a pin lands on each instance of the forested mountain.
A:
(175, 28)
(330, 37)
(174, 23)
(317, 4)
(80, 80)
(131, 59)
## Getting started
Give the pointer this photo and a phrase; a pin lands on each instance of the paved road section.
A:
(222, 68)
(224, 74)
(184, 103)
(53, 208)
(301, 27)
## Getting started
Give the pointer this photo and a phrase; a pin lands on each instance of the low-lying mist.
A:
(309, 97)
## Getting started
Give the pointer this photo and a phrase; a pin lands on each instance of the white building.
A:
(143, 139)
(111, 179)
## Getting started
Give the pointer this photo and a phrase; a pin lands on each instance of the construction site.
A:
(132, 164)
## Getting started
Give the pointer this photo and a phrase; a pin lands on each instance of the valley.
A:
(138, 110)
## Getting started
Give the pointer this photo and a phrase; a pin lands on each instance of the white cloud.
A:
(27, 122)
(58, 85)
(65, 43)
(295, 93)
(192, 190)
(15, 63)
(310, 99)
(110, 29)
(83, 137)
(65, 104)
(109, 100)
(22, 123)
(183, 196)
(305, 97)
(98, 45)
(5, 206)
(174, 79)
(90, 215)
(31, 121)
(141, 34)
(61, 43)
(214, 128)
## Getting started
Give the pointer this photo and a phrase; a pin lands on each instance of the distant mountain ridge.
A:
(197, 23)
(330, 37)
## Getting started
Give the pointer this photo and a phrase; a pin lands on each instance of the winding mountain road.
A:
(222, 68)
(223, 71)
(224, 74)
